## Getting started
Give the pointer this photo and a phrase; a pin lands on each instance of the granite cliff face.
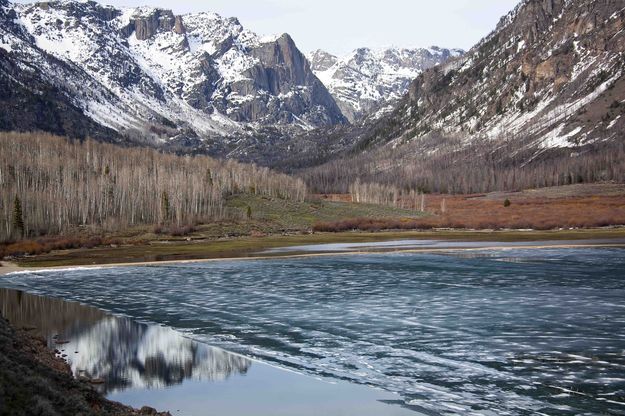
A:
(280, 65)
(198, 80)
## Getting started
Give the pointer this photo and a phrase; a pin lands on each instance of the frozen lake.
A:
(488, 332)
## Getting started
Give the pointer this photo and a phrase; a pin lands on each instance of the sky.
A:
(340, 26)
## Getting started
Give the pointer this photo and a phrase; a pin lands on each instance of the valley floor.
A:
(571, 213)
(297, 246)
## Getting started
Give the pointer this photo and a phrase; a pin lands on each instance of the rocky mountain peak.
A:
(145, 23)
(367, 80)
(198, 79)
(321, 60)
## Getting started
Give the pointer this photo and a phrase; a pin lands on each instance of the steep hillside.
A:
(538, 102)
(39, 92)
(550, 75)
(368, 80)
(196, 80)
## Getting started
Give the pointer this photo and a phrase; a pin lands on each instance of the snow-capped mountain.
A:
(197, 79)
(540, 101)
(367, 80)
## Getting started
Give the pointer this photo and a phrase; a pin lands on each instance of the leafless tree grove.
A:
(456, 168)
(390, 195)
(62, 184)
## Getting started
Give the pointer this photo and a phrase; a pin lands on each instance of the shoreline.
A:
(7, 267)
(12, 268)
(29, 363)
(270, 245)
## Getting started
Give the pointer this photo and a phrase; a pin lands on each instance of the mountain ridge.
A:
(196, 80)
(537, 102)
(369, 80)
(550, 76)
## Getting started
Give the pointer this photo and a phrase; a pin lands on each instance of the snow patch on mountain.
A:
(157, 76)
(366, 79)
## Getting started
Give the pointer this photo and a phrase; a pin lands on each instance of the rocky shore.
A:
(33, 381)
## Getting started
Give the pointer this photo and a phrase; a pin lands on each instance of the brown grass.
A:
(478, 212)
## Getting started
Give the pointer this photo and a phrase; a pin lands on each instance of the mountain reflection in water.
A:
(119, 351)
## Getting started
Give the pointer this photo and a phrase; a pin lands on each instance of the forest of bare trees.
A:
(458, 168)
(50, 184)
(389, 195)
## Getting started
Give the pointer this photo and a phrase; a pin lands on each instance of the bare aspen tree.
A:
(63, 184)
(458, 167)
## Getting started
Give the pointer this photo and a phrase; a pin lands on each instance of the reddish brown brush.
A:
(46, 245)
(476, 212)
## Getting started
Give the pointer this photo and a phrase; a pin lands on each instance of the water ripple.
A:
(512, 332)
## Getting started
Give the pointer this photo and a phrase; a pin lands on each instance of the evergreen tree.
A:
(249, 212)
(18, 220)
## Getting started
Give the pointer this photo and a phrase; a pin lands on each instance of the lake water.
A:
(490, 332)
(138, 364)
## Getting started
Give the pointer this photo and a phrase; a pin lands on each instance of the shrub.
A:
(22, 248)
(176, 231)
(158, 229)
(92, 242)
(46, 245)
(507, 203)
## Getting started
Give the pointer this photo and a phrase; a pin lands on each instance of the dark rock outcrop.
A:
(146, 26)
(179, 25)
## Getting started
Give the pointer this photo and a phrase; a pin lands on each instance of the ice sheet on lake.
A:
(514, 332)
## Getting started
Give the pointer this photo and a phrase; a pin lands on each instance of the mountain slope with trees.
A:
(538, 102)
